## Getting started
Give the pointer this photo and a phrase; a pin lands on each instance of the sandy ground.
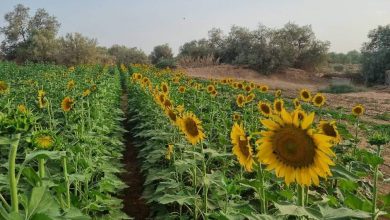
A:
(376, 101)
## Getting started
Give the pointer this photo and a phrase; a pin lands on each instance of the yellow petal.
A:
(307, 121)
(286, 117)
(271, 125)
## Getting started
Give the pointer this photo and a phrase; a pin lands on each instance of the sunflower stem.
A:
(356, 136)
(375, 187)
(194, 185)
(11, 173)
(263, 206)
(41, 168)
(301, 195)
(66, 177)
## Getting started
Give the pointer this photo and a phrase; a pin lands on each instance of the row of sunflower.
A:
(228, 149)
(60, 140)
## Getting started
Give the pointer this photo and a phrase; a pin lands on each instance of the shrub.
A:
(338, 68)
(166, 62)
(337, 89)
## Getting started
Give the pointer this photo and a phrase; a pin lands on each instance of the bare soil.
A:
(134, 205)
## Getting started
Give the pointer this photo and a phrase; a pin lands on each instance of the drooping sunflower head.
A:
(278, 93)
(214, 93)
(42, 101)
(305, 95)
(43, 140)
(164, 88)
(210, 88)
(160, 97)
(70, 85)
(182, 89)
(240, 100)
(169, 151)
(171, 115)
(236, 116)
(264, 108)
(264, 88)
(22, 109)
(3, 87)
(250, 97)
(191, 126)
(319, 100)
(241, 147)
(296, 102)
(67, 104)
(294, 150)
(86, 92)
(329, 128)
(278, 105)
(167, 103)
(358, 110)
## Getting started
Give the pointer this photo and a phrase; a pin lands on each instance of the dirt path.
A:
(134, 205)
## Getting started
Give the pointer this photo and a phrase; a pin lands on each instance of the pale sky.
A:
(147, 23)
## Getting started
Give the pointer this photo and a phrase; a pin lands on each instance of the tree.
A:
(29, 38)
(376, 55)
(127, 55)
(161, 52)
(77, 49)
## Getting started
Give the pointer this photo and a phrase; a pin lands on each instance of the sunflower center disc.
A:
(243, 144)
(294, 147)
(329, 130)
(265, 109)
(191, 127)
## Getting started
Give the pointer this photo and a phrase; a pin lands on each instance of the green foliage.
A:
(160, 52)
(338, 68)
(166, 62)
(352, 57)
(376, 55)
(125, 55)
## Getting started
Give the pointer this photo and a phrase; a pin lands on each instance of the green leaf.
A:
(41, 202)
(75, 214)
(31, 176)
(53, 155)
(294, 210)
(342, 213)
(180, 199)
(340, 172)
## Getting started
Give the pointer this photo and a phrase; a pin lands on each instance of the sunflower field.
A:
(228, 149)
(60, 141)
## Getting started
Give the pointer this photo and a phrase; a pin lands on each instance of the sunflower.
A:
(278, 105)
(318, 100)
(182, 89)
(252, 85)
(235, 85)
(248, 88)
(180, 109)
(264, 88)
(278, 93)
(329, 128)
(236, 116)
(43, 140)
(358, 110)
(167, 103)
(192, 128)
(93, 87)
(214, 93)
(210, 88)
(250, 98)
(42, 101)
(241, 147)
(305, 95)
(240, 85)
(3, 87)
(240, 100)
(295, 151)
(176, 80)
(299, 114)
(169, 152)
(296, 102)
(22, 109)
(67, 104)
(264, 108)
(171, 115)
(160, 97)
(70, 85)
(86, 92)
(164, 88)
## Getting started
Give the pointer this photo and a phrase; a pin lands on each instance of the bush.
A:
(166, 62)
(338, 68)
(338, 89)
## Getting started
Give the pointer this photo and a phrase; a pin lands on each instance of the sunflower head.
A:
(264, 108)
(164, 88)
(248, 88)
(240, 100)
(240, 85)
(252, 85)
(264, 88)
(3, 87)
(42, 101)
(236, 116)
(86, 92)
(214, 93)
(70, 85)
(241, 147)
(329, 128)
(296, 103)
(318, 100)
(358, 110)
(250, 97)
(43, 140)
(167, 103)
(278, 93)
(182, 89)
(171, 115)
(93, 87)
(210, 88)
(22, 109)
(191, 126)
(67, 104)
(235, 85)
(294, 150)
(278, 105)
(305, 95)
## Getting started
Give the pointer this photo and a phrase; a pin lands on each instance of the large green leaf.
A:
(41, 202)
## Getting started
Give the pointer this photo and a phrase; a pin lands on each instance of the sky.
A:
(147, 23)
